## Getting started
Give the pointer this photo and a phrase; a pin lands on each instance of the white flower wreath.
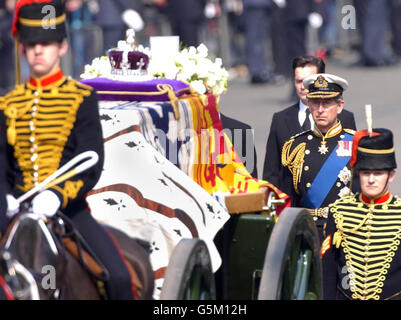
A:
(191, 65)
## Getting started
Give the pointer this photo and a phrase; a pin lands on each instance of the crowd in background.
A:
(256, 38)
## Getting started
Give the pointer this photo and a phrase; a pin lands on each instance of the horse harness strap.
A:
(75, 244)
(84, 257)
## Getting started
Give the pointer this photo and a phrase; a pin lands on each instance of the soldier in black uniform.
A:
(318, 160)
(51, 119)
(361, 253)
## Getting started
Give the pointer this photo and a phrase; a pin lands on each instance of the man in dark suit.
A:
(293, 120)
(240, 133)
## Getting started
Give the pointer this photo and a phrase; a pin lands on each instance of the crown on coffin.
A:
(126, 62)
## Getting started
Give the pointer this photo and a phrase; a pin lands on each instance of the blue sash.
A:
(326, 177)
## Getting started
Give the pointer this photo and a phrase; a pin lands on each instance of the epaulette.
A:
(349, 131)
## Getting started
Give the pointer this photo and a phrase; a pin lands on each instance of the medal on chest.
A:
(323, 149)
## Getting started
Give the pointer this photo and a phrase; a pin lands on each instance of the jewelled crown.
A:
(127, 63)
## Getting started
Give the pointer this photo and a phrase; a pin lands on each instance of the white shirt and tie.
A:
(304, 117)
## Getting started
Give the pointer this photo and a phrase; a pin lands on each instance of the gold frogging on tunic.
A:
(39, 121)
(369, 235)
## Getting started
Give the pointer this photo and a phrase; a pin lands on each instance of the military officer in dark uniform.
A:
(294, 119)
(317, 160)
(361, 253)
(51, 119)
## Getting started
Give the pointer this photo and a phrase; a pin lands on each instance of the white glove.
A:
(46, 204)
(12, 206)
(133, 20)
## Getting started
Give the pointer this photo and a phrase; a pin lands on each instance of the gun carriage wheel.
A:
(189, 275)
(292, 266)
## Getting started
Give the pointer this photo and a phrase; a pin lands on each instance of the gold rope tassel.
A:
(174, 103)
(11, 113)
(339, 234)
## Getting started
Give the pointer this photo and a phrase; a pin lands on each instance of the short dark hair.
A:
(303, 61)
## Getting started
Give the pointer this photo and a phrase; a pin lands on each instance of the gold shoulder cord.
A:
(294, 161)
(13, 113)
(339, 235)
(350, 131)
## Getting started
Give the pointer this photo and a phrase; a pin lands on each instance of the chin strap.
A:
(17, 63)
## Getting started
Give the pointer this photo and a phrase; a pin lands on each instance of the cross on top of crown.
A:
(130, 38)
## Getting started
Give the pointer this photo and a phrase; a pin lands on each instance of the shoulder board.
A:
(300, 134)
(350, 131)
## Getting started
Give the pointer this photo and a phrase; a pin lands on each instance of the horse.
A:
(48, 259)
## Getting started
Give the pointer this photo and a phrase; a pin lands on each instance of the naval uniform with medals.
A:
(318, 168)
(318, 164)
(361, 254)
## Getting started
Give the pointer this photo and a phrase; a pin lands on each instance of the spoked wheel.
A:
(189, 274)
(292, 268)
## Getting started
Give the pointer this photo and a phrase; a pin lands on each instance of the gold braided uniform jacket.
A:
(50, 121)
(361, 253)
(304, 155)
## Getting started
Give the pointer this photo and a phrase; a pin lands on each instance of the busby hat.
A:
(375, 152)
(39, 20)
(325, 86)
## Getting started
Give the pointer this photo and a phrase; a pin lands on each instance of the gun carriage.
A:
(165, 155)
